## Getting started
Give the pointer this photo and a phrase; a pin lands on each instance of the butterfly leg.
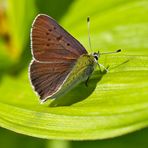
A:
(100, 65)
(86, 82)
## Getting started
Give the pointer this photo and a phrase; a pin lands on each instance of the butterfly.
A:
(60, 62)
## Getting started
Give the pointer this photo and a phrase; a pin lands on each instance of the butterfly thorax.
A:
(82, 69)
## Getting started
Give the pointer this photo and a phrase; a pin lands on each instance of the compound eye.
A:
(96, 57)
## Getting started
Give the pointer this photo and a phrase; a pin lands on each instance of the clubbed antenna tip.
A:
(88, 27)
(119, 50)
(88, 19)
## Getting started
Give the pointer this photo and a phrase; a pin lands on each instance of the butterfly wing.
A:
(50, 42)
(47, 78)
(55, 53)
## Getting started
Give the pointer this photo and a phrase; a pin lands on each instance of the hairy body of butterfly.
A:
(59, 62)
(81, 71)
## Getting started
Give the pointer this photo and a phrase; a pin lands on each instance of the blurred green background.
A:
(15, 22)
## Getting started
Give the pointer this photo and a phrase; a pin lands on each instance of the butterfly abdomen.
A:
(80, 72)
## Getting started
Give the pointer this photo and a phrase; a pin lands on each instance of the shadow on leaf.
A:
(80, 92)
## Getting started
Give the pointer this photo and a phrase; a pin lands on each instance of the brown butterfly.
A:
(59, 61)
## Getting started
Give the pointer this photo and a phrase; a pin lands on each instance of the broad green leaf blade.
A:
(114, 103)
(19, 23)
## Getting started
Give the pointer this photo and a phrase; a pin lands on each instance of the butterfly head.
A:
(96, 55)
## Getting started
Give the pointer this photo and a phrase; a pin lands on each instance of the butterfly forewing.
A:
(55, 53)
(50, 42)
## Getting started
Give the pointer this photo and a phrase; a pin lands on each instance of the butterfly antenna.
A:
(88, 27)
(119, 50)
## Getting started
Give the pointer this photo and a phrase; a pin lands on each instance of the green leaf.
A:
(19, 21)
(114, 103)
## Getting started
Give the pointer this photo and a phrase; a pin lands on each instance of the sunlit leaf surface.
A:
(114, 103)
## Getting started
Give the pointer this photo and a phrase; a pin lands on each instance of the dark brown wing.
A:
(51, 43)
(48, 77)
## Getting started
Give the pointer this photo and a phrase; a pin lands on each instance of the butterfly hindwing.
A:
(48, 77)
